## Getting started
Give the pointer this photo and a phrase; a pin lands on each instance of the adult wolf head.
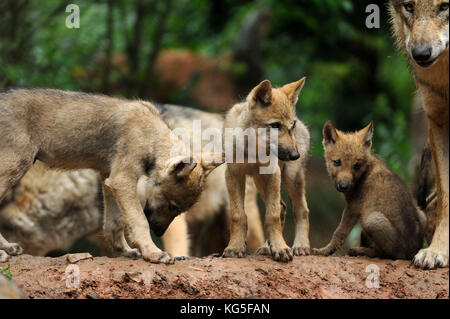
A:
(421, 28)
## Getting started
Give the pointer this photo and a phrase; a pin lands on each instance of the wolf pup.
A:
(392, 225)
(267, 107)
(421, 29)
(120, 139)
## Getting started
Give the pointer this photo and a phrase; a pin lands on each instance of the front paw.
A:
(281, 252)
(3, 256)
(234, 252)
(132, 253)
(430, 259)
(14, 249)
(301, 250)
(325, 251)
(160, 257)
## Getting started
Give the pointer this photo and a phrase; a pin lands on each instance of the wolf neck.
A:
(434, 80)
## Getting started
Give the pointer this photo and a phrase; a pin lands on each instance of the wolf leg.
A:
(175, 239)
(123, 187)
(348, 221)
(436, 255)
(238, 226)
(294, 180)
(14, 164)
(113, 228)
(269, 187)
(384, 236)
(255, 234)
(363, 251)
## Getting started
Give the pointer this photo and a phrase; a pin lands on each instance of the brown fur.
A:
(422, 24)
(122, 140)
(392, 225)
(263, 107)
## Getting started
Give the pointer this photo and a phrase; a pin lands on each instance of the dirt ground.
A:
(212, 277)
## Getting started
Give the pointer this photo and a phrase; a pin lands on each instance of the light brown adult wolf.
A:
(122, 140)
(421, 28)
(392, 224)
(267, 107)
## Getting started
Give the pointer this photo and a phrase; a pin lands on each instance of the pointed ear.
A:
(330, 135)
(210, 161)
(367, 134)
(292, 90)
(262, 93)
(180, 166)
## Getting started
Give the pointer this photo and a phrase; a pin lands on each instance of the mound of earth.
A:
(81, 276)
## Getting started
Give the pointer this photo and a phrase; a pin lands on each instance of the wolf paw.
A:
(264, 251)
(282, 253)
(321, 251)
(160, 257)
(301, 250)
(3, 256)
(430, 259)
(132, 253)
(233, 253)
(13, 249)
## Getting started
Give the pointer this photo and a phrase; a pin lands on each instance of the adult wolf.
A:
(122, 140)
(421, 28)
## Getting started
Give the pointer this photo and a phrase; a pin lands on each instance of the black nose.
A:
(342, 187)
(294, 155)
(421, 53)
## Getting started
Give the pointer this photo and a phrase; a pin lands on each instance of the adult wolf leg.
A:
(436, 255)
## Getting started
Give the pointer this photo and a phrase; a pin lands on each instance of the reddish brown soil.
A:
(253, 277)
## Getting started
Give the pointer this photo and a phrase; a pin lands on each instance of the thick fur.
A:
(419, 25)
(392, 225)
(265, 107)
(120, 139)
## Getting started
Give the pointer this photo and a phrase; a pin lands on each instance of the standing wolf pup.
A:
(120, 139)
(421, 28)
(267, 107)
(392, 225)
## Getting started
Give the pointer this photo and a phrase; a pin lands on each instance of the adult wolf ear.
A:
(292, 90)
(367, 134)
(210, 161)
(330, 135)
(180, 166)
(262, 94)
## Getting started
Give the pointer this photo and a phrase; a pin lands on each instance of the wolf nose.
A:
(421, 53)
(294, 155)
(342, 187)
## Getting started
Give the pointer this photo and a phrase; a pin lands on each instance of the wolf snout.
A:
(422, 55)
(343, 186)
(157, 228)
(288, 155)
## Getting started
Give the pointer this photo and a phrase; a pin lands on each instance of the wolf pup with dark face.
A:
(120, 139)
(392, 225)
(265, 108)
(421, 28)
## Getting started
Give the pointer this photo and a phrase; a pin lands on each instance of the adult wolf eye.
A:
(276, 125)
(409, 7)
(337, 163)
(444, 6)
(357, 166)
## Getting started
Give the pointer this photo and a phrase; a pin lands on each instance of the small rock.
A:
(74, 258)
(93, 295)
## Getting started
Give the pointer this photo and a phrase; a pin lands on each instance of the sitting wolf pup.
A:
(120, 139)
(392, 225)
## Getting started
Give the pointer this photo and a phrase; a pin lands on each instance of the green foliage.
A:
(6, 271)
